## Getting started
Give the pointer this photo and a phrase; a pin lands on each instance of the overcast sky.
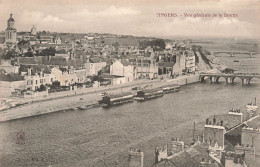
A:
(135, 17)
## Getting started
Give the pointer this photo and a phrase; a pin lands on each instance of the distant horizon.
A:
(159, 37)
(137, 18)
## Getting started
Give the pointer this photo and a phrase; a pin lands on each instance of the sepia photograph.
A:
(133, 83)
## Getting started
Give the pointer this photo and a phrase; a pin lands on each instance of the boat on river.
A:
(147, 94)
(116, 99)
(171, 88)
(251, 108)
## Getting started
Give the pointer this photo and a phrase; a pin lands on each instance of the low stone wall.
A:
(185, 80)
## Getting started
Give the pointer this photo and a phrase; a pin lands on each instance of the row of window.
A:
(30, 82)
(10, 34)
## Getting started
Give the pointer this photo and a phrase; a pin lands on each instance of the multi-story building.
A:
(94, 66)
(165, 68)
(8, 67)
(136, 158)
(122, 68)
(145, 68)
(215, 133)
(34, 79)
(66, 76)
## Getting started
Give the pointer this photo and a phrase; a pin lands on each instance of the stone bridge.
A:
(214, 78)
(234, 53)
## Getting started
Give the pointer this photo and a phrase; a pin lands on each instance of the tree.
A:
(9, 55)
(28, 54)
(42, 88)
(23, 44)
(43, 32)
(55, 84)
(47, 52)
(115, 44)
(157, 44)
(11, 77)
(97, 78)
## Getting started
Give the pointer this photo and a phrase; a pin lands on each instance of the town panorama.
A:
(95, 99)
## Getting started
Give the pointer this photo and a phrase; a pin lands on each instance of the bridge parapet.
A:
(231, 53)
(214, 77)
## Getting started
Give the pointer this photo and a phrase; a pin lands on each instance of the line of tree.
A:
(47, 52)
(157, 44)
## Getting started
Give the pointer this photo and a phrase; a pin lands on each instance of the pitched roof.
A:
(11, 77)
(112, 96)
(191, 156)
(94, 60)
(125, 62)
(36, 68)
(52, 60)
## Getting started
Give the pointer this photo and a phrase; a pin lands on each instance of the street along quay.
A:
(82, 100)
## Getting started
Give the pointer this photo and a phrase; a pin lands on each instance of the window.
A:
(36, 82)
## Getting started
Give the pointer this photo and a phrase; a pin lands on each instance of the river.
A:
(101, 137)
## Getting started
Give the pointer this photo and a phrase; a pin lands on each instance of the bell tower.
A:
(10, 32)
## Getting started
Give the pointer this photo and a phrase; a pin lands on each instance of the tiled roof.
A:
(254, 123)
(190, 157)
(52, 60)
(36, 68)
(125, 62)
(94, 60)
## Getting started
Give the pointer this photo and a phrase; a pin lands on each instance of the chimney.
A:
(136, 158)
(156, 160)
(49, 58)
(29, 71)
(203, 138)
(222, 157)
(214, 120)
(18, 61)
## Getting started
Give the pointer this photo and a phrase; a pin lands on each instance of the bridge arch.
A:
(202, 78)
(253, 79)
(230, 78)
(220, 78)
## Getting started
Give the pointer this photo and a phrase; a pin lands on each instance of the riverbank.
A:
(81, 100)
(102, 137)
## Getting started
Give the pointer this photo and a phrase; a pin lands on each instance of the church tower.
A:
(10, 32)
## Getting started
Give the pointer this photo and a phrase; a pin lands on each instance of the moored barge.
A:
(149, 94)
(171, 88)
(116, 99)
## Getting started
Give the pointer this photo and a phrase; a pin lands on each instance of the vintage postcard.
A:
(112, 83)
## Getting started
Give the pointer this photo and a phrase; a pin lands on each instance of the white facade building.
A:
(122, 68)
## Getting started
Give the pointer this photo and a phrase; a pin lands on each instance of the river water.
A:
(101, 137)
